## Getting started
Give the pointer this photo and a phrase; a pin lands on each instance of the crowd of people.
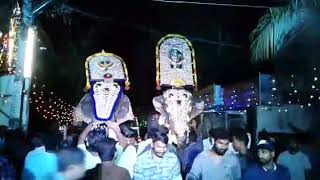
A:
(91, 154)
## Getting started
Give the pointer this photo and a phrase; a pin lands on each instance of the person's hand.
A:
(114, 126)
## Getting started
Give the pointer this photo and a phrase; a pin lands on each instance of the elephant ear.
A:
(197, 107)
(84, 110)
(159, 105)
(124, 110)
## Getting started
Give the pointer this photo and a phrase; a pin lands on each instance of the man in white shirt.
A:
(296, 161)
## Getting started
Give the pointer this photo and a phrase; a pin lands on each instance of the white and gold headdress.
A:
(175, 62)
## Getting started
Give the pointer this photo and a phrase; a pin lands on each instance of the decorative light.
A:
(313, 86)
(315, 78)
(27, 70)
(62, 112)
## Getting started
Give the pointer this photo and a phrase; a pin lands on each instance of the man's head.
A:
(293, 146)
(192, 136)
(154, 116)
(221, 141)
(93, 138)
(211, 133)
(240, 140)
(71, 163)
(37, 140)
(128, 132)
(159, 144)
(106, 149)
(266, 151)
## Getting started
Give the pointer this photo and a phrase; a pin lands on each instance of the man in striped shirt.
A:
(157, 163)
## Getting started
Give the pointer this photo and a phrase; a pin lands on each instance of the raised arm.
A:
(115, 127)
(84, 134)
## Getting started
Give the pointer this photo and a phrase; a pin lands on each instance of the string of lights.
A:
(237, 98)
(50, 106)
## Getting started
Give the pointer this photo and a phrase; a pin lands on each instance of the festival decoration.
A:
(50, 106)
(8, 50)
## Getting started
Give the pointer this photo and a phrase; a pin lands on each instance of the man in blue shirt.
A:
(194, 148)
(216, 163)
(267, 169)
(39, 162)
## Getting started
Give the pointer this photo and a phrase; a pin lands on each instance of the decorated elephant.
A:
(176, 71)
(106, 74)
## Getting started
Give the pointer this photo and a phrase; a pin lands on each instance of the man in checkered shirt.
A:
(157, 163)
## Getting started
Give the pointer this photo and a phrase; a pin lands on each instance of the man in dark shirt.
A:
(6, 169)
(240, 142)
(190, 153)
(267, 169)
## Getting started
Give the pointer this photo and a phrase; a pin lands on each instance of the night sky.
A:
(220, 36)
(131, 30)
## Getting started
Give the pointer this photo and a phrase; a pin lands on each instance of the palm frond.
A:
(276, 25)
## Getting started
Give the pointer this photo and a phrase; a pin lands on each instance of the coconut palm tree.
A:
(278, 26)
